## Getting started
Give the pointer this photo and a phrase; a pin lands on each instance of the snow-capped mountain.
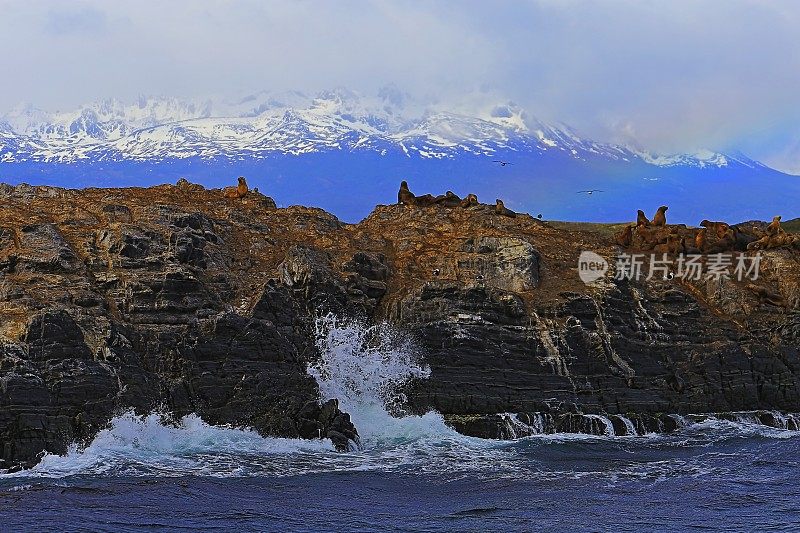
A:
(263, 124)
(345, 152)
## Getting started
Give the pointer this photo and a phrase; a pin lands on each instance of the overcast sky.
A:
(669, 75)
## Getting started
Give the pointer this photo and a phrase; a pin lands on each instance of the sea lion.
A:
(774, 227)
(501, 209)
(760, 244)
(425, 200)
(240, 191)
(644, 238)
(405, 196)
(780, 240)
(701, 240)
(744, 237)
(624, 237)
(676, 244)
(689, 247)
(666, 244)
(469, 201)
(725, 240)
(641, 219)
(660, 218)
(720, 229)
(185, 185)
(449, 199)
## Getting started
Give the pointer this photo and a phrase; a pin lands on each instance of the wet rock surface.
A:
(180, 300)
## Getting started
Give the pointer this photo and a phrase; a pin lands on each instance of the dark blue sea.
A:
(410, 473)
(719, 476)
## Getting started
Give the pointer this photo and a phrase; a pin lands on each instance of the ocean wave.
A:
(145, 445)
(367, 368)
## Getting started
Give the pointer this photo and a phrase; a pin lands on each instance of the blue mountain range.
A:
(346, 152)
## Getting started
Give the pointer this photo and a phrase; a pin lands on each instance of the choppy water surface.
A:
(411, 472)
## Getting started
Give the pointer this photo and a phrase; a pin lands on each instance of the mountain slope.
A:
(316, 149)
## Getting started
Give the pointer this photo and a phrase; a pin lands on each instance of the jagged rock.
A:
(171, 297)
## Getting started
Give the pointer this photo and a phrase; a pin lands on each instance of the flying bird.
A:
(502, 163)
(590, 192)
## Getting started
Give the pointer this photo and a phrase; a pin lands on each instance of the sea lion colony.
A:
(448, 199)
(644, 235)
(712, 237)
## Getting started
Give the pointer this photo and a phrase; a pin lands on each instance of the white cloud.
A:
(671, 74)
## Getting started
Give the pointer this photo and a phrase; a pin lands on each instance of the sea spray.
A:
(146, 445)
(367, 368)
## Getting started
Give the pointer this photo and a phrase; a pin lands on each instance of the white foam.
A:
(366, 368)
(145, 445)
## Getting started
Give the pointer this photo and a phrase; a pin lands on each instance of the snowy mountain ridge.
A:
(292, 123)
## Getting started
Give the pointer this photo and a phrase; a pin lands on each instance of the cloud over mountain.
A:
(668, 75)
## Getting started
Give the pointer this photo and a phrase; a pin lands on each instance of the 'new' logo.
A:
(591, 267)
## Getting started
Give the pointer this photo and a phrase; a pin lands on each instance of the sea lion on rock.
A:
(501, 209)
(405, 196)
(744, 236)
(760, 244)
(469, 201)
(185, 185)
(449, 199)
(689, 247)
(425, 200)
(720, 229)
(660, 218)
(676, 244)
(774, 227)
(781, 240)
(624, 237)
(240, 191)
(641, 219)
(769, 242)
(671, 246)
(725, 240)
(701, 240)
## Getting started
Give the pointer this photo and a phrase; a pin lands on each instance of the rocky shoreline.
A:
(179, 299)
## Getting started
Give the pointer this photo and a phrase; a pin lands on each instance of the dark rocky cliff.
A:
(178, 299)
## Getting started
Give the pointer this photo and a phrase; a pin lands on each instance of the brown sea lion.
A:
(701, 240)
(645, 238)
(720, 229)
(501, 209)
(405, 196)
(744, 236)
(671, 245)
(624, 237)
(725, 240)
(760, 244)
(781, 240)
(774, 227)
(769, 242)
(676, 244)
(660, 218)
(641, 219)
(425, 200)
(448, 199)
(469, 201)
(185, 185)
(689, 247)
(240, 191)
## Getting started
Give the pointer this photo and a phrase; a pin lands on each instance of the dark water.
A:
(715, 476)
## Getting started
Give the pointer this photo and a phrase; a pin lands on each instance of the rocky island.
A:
(187, 300)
